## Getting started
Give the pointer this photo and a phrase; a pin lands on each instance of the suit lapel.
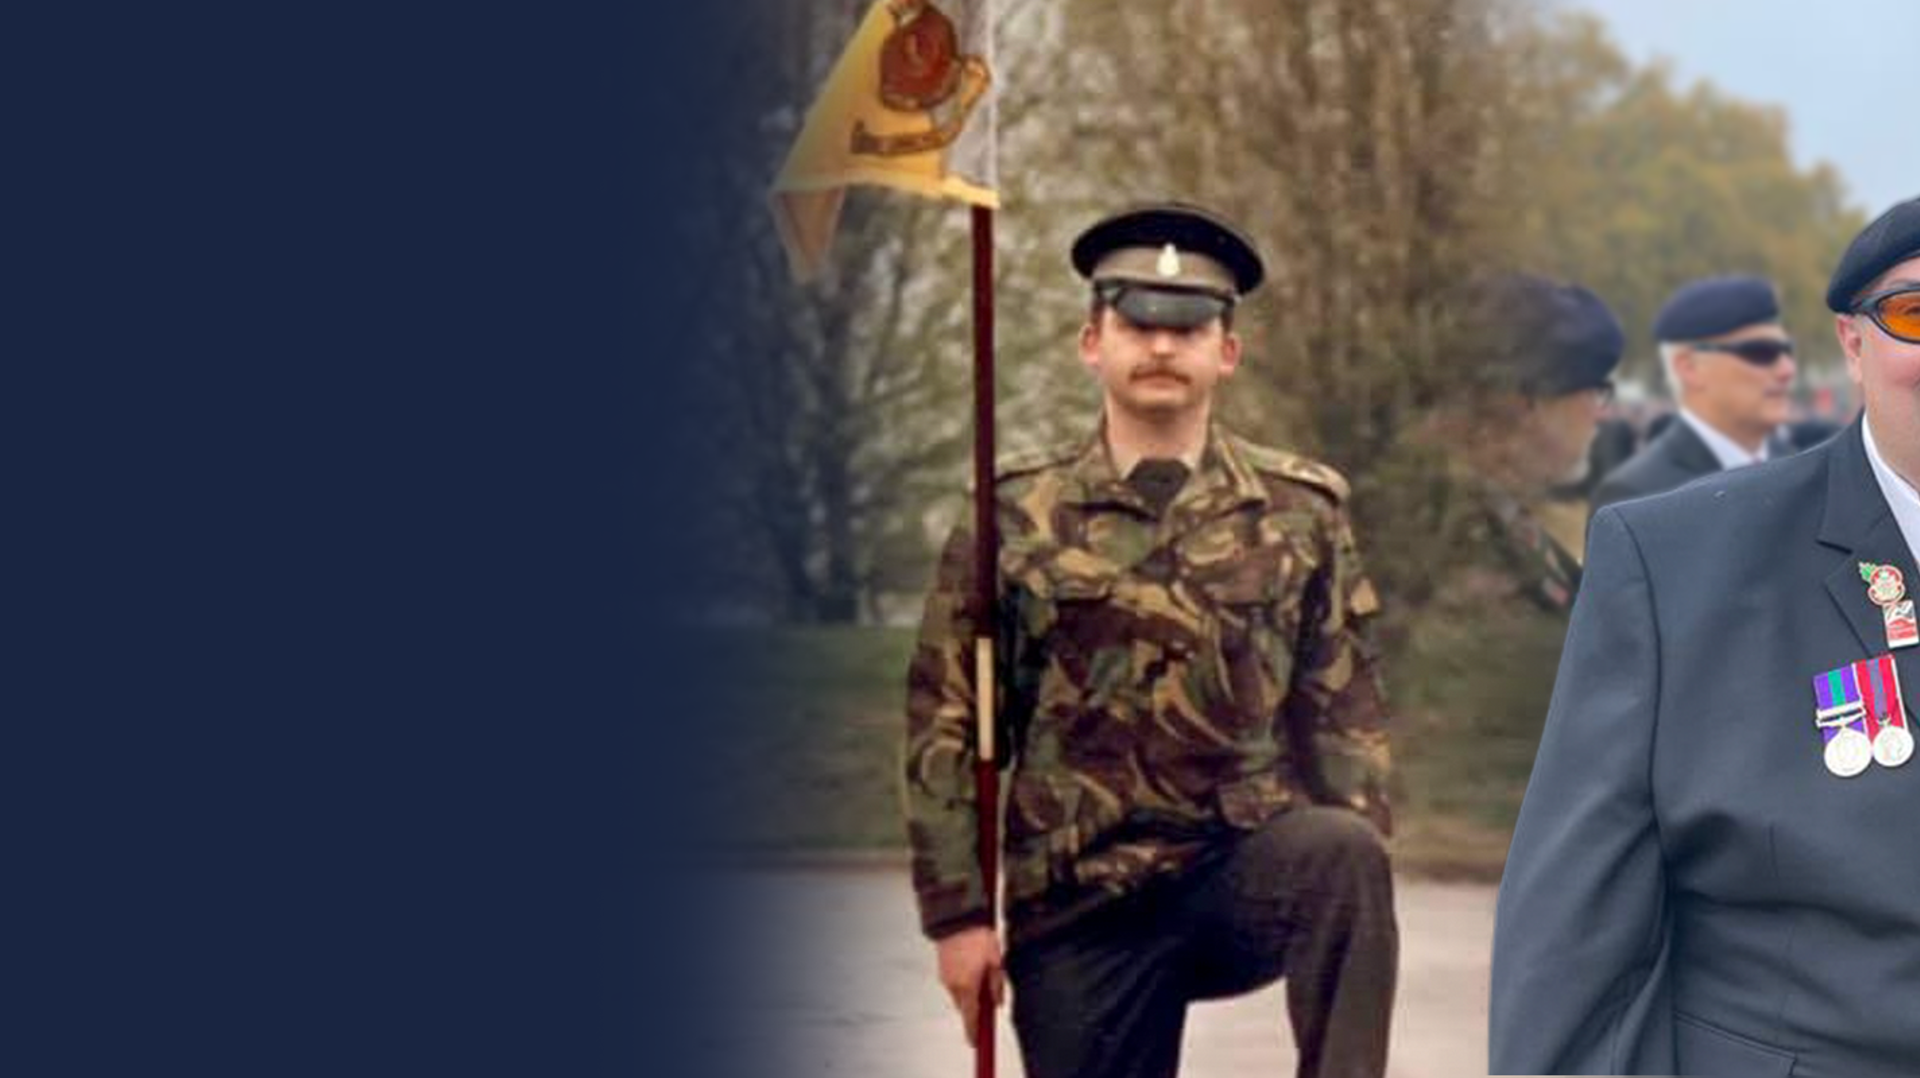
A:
(1858, 522)
(1689, 452)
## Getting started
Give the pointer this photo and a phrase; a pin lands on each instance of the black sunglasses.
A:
(1760, 353)
(1896, 311)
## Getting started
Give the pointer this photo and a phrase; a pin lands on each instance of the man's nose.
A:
(1162, 340)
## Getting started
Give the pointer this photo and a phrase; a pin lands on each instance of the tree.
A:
(1639, 186)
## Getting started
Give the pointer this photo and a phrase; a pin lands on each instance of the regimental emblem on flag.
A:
(908, 105)
(922, 71)
(1861, 717)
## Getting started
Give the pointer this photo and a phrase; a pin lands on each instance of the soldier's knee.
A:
(1332, 840)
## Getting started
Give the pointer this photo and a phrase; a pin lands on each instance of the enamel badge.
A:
(1858, 711)
(1888, 591)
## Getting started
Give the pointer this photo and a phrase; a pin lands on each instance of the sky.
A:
(1839, 68)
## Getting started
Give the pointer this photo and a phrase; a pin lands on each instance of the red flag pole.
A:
(986, 588)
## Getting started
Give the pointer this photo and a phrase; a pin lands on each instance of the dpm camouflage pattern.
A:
(1546, 573)
(1165, 681)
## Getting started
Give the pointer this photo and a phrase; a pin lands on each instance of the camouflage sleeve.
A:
(938, 790)
(1336, 704)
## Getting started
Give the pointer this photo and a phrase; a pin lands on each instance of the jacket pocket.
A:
(1044, 833)
(1249, 615)
(1705, 1049)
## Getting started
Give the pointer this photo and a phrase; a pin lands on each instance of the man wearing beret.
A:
(1712, 872)
(1730, 365)
(1486, 568)
(1197, 796)
(1528, 412)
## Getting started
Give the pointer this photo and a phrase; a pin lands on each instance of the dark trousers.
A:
(1308, 897)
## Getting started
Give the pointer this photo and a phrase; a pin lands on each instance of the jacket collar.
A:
(1224, 479)
(1687, 450)
(1856, 512)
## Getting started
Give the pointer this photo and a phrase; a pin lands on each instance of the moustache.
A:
(1159, 372)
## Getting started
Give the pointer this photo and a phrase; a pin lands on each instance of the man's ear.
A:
(1090, 342)
(1229, 353)
(1846, 327)
(1686, 366)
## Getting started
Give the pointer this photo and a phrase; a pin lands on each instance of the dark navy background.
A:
(344, 379)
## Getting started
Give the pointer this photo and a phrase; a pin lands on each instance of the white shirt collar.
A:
(1900, 495)
(1730, 453)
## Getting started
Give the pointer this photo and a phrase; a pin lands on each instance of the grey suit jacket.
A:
(1674, 459)
(1689, 890)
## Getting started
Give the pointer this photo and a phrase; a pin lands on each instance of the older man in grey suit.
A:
(1717, 866)
(1730, 365)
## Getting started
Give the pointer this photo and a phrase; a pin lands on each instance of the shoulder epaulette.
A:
(1268, 461)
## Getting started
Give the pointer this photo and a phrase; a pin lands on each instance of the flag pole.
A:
(986, 590)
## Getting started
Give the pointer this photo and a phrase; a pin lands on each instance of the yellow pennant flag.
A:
(910, 104)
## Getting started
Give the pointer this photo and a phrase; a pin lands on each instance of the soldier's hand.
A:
(969, 959)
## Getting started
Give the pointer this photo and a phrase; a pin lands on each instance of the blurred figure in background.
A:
(1730, 365)
(1523, 424)
(1484, 577)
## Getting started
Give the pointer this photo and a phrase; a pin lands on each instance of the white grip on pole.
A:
(983, 695)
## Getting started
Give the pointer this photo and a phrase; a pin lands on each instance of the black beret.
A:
(1891, 239)
(1715, 305)
(1545, 337)
(1187, 227)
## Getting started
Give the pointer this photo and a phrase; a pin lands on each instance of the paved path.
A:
(852, 992)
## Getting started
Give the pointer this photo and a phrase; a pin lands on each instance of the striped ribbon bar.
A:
(1865, 694)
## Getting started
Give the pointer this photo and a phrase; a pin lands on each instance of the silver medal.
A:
(1893, 747)
(1849, 753)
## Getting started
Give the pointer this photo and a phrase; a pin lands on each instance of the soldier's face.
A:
(1157, 371)
(1887, 370)
(1562, 431)
(1732, 394)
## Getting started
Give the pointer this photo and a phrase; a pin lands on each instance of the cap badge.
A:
(1168, 264)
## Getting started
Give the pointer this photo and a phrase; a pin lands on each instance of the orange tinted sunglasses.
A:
(1896, 311)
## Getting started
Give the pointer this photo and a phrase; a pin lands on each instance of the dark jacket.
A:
(1689, 889)
(1672, 460)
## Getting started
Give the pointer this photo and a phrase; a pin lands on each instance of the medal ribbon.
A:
(1828, 692)
(1887, 680)
(1862, 673)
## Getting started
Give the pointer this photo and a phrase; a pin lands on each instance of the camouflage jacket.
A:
(1164, 681)
(1547, 573)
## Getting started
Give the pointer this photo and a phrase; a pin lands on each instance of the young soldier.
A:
(1197, 730)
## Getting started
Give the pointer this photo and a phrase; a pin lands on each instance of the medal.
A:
(1861, 718)
(1893, 747)
(1879, 681)
(1848, 753)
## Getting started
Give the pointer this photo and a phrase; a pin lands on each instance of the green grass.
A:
(821, 726)
(821, 720)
